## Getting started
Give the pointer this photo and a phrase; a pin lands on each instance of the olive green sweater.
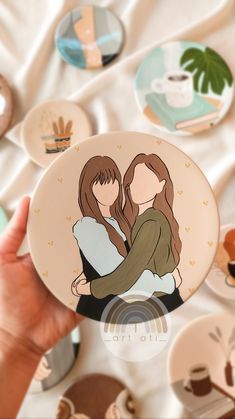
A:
(151, 249)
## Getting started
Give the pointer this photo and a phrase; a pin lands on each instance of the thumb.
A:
(14, 233)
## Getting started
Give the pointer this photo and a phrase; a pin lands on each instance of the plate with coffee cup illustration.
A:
(117, 218)
(6, 105)
(53, 127)
(184, 87)
(201, 366)
(96, 396)
(89, 37)
(221, 278)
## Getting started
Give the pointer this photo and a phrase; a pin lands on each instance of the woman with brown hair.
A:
(153, 234)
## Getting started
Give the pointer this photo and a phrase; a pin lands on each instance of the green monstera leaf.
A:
(208, 68)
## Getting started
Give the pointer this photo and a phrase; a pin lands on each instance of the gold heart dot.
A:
(210, 243)
(187, 229)
(179, 192)
(50, 243)
(45, 274)
(77, 148)
(191, 290)
(187, 165)
(158, 142)
(76, 271)
(60, 179)
(119, 146)
(37, 211)
(205, 203)
(192, 262)
(69, 218)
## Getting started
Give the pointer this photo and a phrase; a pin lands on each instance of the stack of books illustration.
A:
(203, 111)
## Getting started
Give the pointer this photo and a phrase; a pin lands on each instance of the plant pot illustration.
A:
(60, 138)
(227, 348)
(228, 370)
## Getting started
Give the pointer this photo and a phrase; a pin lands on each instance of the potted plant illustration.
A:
(62, 134)
(209, 70)
(227, 349)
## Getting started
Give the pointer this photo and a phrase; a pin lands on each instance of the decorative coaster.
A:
(221, 278)
(51, 128)
(108, 399)
(89, 37)
(3, 220)
(6, 105)
(184, 87)
(118, 215)
(200, 366)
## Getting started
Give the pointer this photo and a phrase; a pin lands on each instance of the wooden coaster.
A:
(6, 105)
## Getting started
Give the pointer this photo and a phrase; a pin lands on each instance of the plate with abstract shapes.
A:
(6, 105)
(89, 37)
(53, 127)
(184, 87)
(200, 366)
(221, 278)
(118, 215)
(109, 399)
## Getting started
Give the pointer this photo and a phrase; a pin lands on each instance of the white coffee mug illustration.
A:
(177, 87)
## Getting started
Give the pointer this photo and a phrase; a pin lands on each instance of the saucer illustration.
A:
(6, 105)
(203, 378)
(124, 221)
(51, 128)
(96, 396)
(184, 87)
(89, 37)
(221, 278)
(3, 219)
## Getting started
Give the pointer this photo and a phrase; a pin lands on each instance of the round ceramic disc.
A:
(221, 278)
(3, 219)
(184, 87)
(84, 218)
(89, 37)
(6, 105)
(96, 396)
(53, 127)
(200, 366)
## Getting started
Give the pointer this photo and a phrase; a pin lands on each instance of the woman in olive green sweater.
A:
(154, 233)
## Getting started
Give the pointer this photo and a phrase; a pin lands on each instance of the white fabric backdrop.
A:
(36, 72)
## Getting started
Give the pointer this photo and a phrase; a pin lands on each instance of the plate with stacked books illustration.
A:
(89, 37)
(221, 278)
(116, 220)
(201, 366)
(53, 127)
(184, 87)
(96, 396)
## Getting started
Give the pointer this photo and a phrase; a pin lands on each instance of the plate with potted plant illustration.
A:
(53, 127)
(96, 396)
(184, 87)
(6, 105)
(115, 221)
(201, 366)
(221, 278)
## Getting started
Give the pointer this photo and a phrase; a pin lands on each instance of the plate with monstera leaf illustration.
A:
(201, 366)
(221, 278)
(53, 127)
(184, 87)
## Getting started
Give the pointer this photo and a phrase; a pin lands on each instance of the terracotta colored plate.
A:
(96, 396)
(200, 366)
(77, 226)
(51, 128)
(6, 105)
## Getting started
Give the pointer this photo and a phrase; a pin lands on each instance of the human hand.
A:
(29, 313)
(80, 286)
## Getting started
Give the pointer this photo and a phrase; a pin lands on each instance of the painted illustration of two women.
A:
(128, 237)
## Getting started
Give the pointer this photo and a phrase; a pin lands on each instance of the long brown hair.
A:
(104, 170)
(163, 201)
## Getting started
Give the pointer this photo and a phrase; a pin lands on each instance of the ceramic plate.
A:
(184, 87)
(51, 128)
(200, 366)
(127, 207)
(6, 105)
(221, 278)
(3, 219)
(96, 396)
(89, 37)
